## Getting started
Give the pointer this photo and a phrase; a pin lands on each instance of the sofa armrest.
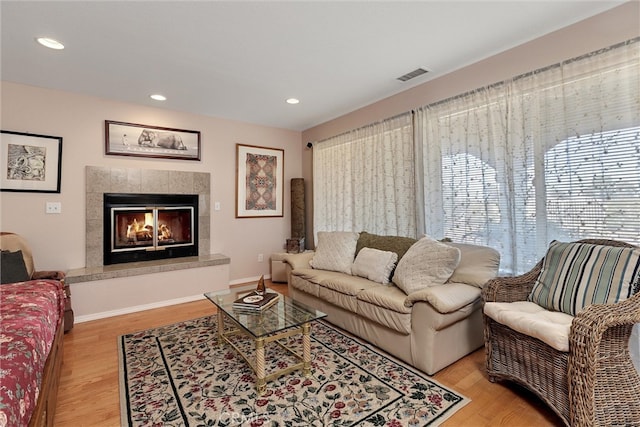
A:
(511, 289)
(600, 362)
(445, 298)
(298, 261)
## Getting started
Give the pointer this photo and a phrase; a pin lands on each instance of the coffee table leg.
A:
(261, 383)
(306, 349)
(220, 327)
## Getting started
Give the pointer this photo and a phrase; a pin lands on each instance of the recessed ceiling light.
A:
(158, 97)
(50, 43)
(293, 101)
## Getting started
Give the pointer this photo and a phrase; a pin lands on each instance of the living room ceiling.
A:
(241, 60)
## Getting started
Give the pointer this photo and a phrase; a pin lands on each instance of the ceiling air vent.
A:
(413, 74)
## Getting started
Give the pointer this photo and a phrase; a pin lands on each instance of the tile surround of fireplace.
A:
(101, 180)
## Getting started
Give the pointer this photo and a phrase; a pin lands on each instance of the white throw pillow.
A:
(335, 251)
(374, 264)
(478, 264)
(426, 263)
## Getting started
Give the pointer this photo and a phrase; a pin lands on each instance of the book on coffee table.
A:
(256, 301)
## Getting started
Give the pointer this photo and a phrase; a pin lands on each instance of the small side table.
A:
(278, 267)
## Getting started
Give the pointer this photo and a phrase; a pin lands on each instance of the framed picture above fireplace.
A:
(130, 139)
(31, 163)
(259, 181)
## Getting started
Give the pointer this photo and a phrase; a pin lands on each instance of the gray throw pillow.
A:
(12, 268)
(397, 244)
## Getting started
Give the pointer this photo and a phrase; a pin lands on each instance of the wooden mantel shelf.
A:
(90, 274)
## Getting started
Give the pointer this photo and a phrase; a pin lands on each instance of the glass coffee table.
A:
(283, 319)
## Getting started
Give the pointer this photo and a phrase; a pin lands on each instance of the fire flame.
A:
(144, 231)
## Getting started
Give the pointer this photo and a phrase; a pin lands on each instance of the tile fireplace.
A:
(143, 227)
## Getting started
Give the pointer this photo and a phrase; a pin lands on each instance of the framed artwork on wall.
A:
(130, 139)
(30, 162)
(259, 181)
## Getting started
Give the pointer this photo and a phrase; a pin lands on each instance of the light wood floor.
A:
(89, 393)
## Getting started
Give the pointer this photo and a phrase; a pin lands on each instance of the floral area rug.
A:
(178, 375)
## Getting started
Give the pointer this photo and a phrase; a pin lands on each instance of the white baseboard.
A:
(136, 308)
(248, 280)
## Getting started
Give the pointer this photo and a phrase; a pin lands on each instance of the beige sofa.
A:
(430, 327)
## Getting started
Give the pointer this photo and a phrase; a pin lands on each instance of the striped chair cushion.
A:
(575, 275)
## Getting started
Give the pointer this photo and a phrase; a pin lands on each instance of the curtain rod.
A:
(366, 126)
(539, 70)
(491, 86)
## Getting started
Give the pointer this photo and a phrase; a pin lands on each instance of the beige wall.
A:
(616, 25)
(59, 240)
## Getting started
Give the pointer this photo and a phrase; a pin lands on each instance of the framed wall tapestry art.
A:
(30, 162)
(129, 139)
(259, 181)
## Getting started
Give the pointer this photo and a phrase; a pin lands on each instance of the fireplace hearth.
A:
(144, 227)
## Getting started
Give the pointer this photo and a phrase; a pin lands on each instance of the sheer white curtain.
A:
(364, 180)
(554, 154)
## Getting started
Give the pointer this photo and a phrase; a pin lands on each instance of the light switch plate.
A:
(54, 207)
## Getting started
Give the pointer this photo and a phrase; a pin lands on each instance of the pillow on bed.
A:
(374, 264)
(12, 268)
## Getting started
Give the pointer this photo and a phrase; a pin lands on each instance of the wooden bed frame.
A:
(45, 409)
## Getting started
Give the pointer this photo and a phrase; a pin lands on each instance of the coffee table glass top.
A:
(285, 313)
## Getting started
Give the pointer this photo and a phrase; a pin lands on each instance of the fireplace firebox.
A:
(144, 227)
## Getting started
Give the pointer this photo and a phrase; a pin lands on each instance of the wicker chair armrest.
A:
(590, 324)
(599, 355)
(510, 289)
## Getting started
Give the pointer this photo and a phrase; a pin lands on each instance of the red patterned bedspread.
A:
(30, 313)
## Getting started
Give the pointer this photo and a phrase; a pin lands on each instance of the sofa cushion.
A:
(575, 275)
(374, 264)
(337, 288)
(315, 276)
(385, 305)
(388, 297)
(550, 327)
(445, 298)
(304, 285)
(397, 244)
(335, 251)
(426, 263)
(348, 285)
(478, 264)
(12, 267)
(342, 289)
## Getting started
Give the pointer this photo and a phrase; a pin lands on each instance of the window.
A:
(364, 180)
(551, 155)
(593, 186)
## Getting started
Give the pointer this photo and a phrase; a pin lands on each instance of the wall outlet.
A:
(260, 257)
(53, 208)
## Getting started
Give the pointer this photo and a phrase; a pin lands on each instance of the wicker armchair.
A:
(593, 384)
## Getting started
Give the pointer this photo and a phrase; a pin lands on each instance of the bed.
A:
(32, 323)
(31, 330)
